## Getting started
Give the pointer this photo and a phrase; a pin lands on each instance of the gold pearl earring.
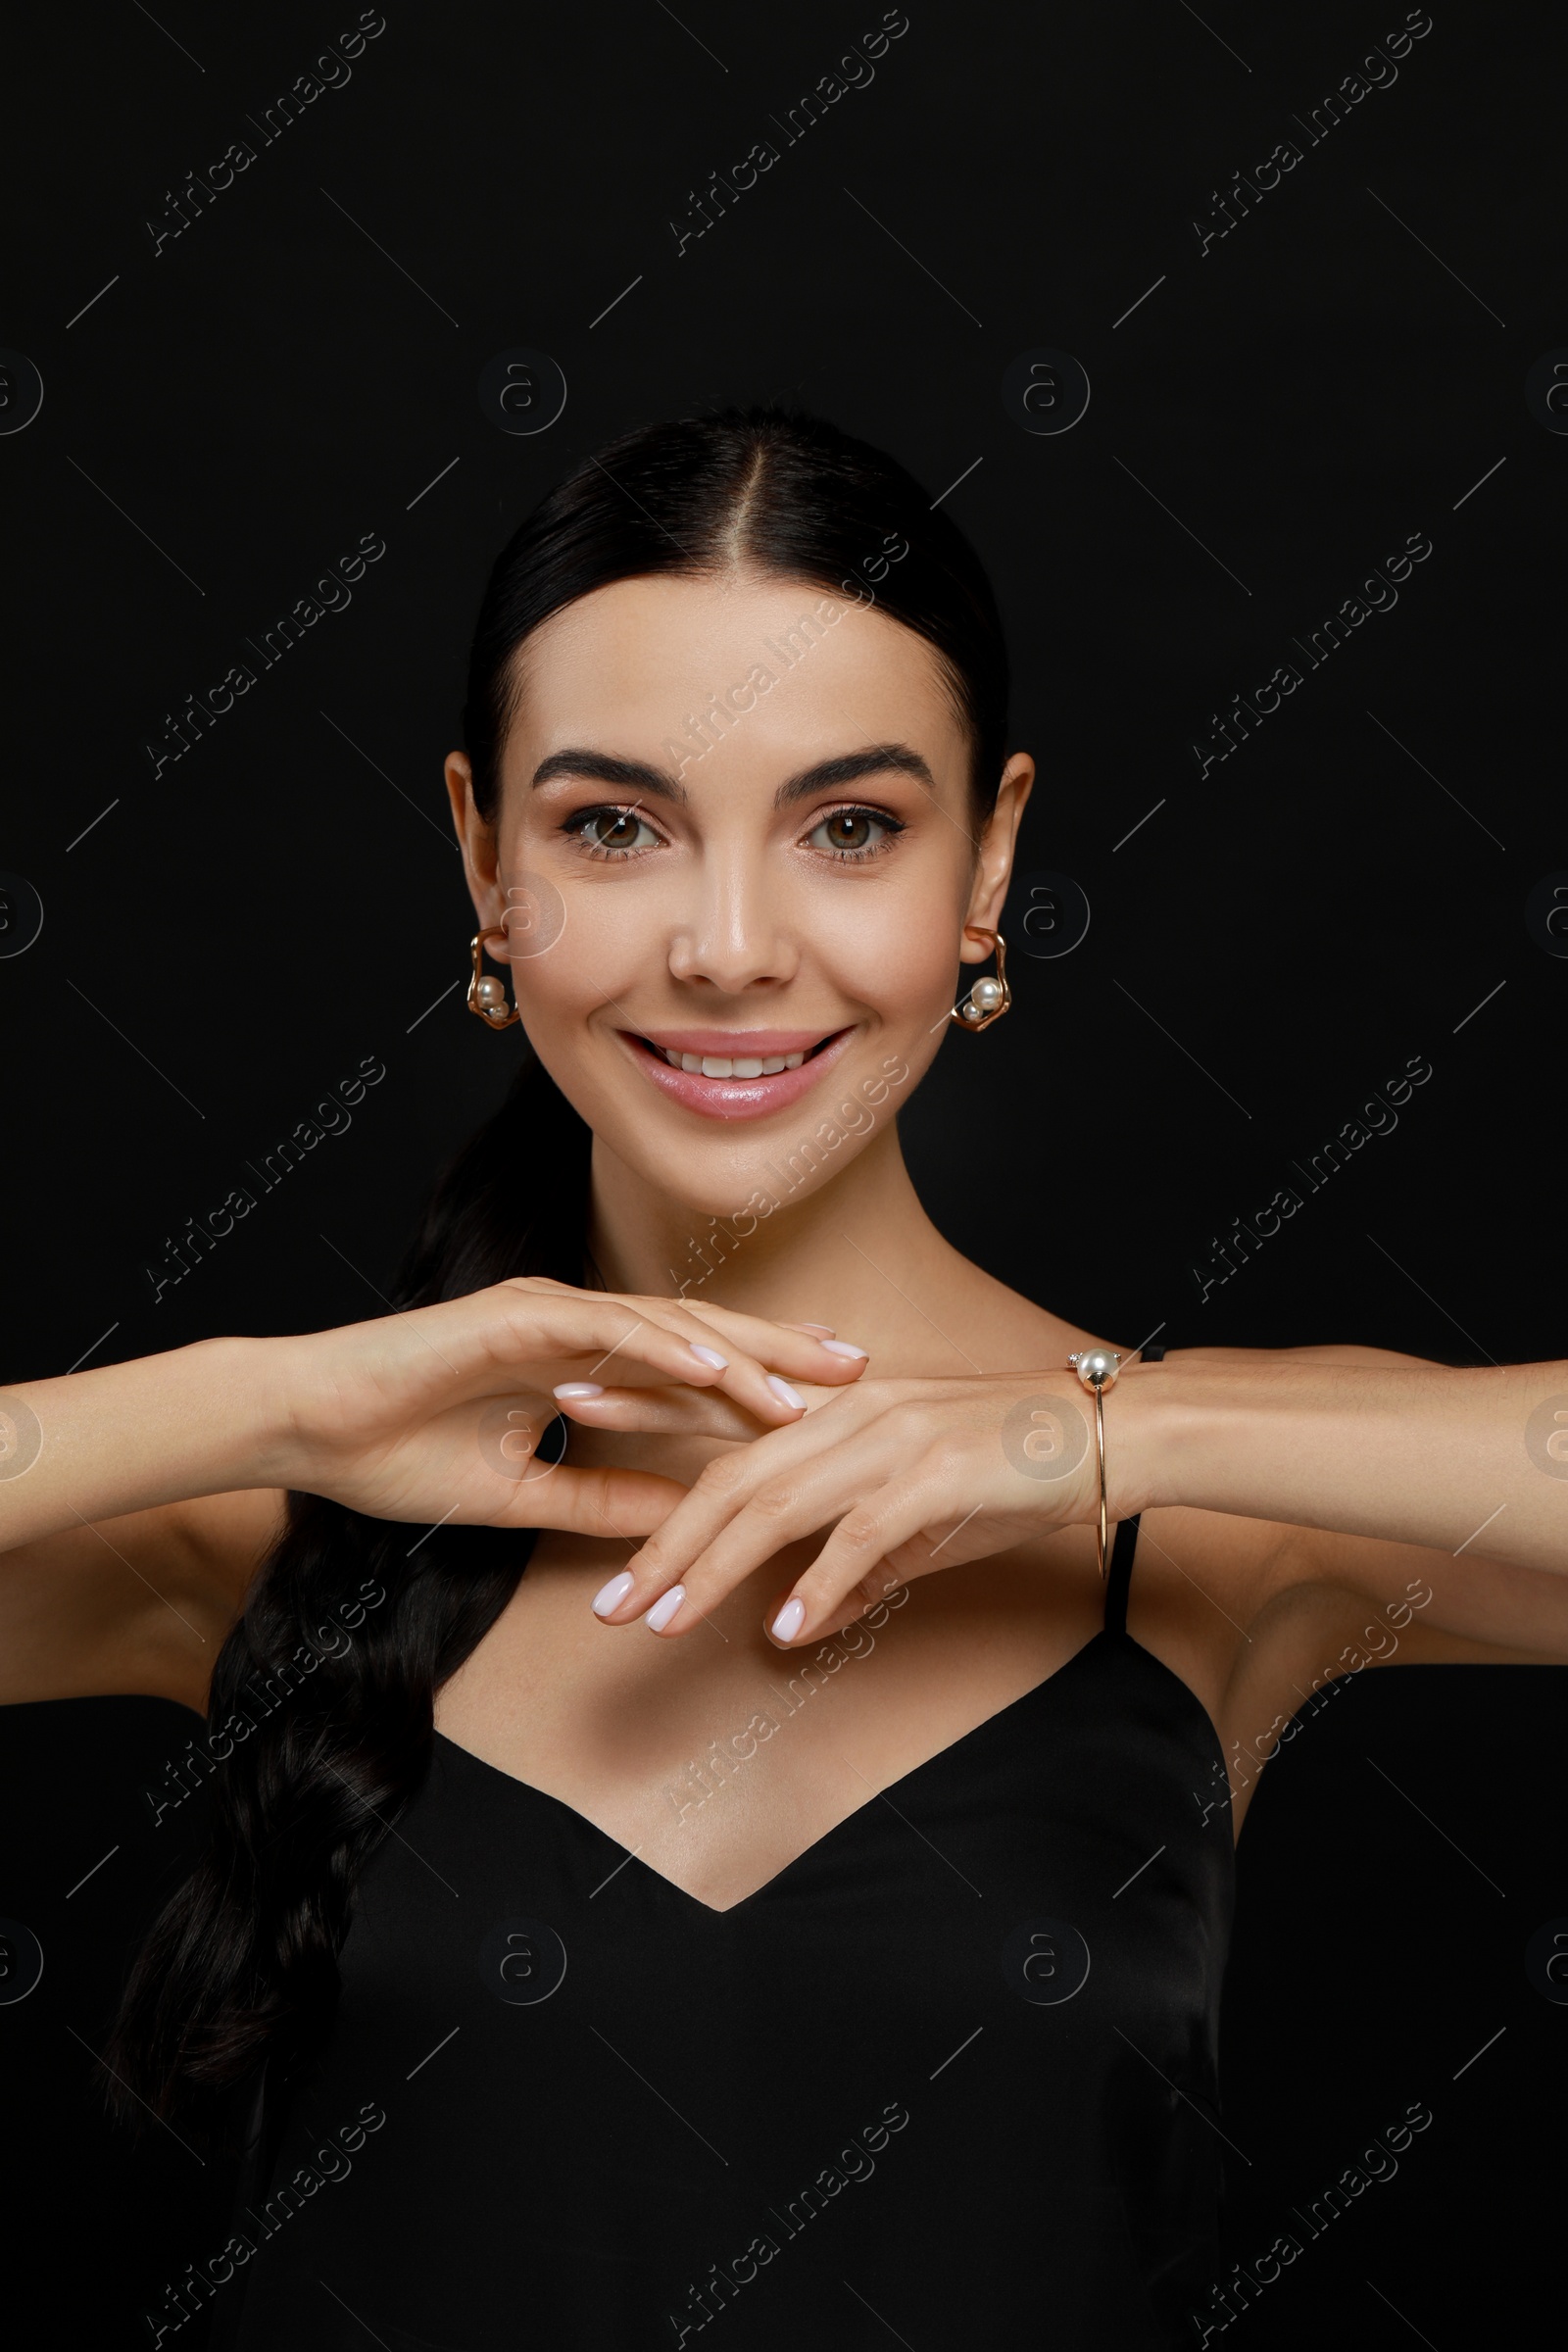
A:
(487, 996)
(988, 1000)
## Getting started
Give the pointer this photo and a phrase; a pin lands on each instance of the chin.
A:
(770, 1139)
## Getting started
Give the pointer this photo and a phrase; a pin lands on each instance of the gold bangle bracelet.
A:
(1097, 1368)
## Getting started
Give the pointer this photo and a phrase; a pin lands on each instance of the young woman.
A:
(797, 1906)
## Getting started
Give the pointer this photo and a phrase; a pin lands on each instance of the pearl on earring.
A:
(487, 996)
(989, 998)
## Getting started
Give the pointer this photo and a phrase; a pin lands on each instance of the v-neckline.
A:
(942, 1755)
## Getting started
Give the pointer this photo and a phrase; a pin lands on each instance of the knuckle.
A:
(723, 1476)
(597, 1492)
(859, 1532)
(774, 1501)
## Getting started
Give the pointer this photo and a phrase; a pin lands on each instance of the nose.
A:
(733, 934)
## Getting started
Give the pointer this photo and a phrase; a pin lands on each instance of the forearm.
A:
(200, 1420)
(1449, 1459)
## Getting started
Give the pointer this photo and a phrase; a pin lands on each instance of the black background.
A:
(226, 939)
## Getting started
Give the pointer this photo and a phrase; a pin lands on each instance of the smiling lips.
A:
(735, 1073)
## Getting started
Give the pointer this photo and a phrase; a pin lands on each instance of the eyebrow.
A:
(638, 775)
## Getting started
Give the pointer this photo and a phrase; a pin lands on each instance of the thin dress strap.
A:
(1121, 1574)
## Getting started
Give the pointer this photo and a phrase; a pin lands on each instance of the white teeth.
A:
(718, 1065)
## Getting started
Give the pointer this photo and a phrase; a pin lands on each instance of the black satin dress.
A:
(947, 2079)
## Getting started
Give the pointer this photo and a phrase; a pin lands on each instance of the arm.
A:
(137, 1501)
(1411, 1453)
(126, 1438)
(1368, 1457)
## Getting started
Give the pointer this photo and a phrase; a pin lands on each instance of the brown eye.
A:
(610, 831)
(613, 830)
(854, 832)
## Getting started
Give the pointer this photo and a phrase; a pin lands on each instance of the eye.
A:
(854, 832)
(611, 832)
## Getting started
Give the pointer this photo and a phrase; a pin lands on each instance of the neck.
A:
(858, 1253)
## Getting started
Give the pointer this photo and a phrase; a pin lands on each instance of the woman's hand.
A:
(912, 1476)
(437, 1413)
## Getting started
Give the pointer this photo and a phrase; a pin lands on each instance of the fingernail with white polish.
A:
(785, 1394)
(844, 1347)
(663, 1609)
(710, 1355)
(826, 1328)
(573, 1390)
(610, 1596)
(789, 1621)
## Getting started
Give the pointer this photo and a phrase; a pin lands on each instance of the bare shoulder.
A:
(1007, 1332)
(136, 1604)
(1261, 1617)
(1014, 1332)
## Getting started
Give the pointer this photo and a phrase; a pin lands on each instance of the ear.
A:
(994, 864)
(476, 841)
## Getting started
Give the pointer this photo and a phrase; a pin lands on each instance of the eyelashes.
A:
(850, 834)
(592, 829)
(851, 816)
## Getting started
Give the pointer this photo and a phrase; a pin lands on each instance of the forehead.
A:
(791, 667)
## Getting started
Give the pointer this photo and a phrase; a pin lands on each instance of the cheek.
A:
(602, 944)
(895, 952)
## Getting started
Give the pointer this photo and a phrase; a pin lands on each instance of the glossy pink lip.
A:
(735, 1098)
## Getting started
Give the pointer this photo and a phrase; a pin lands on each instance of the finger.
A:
(789, 1503)
(802, 1350)
(875, 1548)
(516, 1323)
(590, 1333)
(662, 1411)
(723, 1489)
(668, 1337)
(602, 1503)
(888, 1586)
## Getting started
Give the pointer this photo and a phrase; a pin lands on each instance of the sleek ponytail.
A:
(326, 1687)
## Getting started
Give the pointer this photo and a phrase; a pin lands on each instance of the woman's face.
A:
(735, 841)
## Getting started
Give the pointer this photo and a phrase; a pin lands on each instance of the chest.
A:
(1017, 1954)
(718, 1757)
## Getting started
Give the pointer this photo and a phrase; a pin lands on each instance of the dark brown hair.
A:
(242, 1966)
